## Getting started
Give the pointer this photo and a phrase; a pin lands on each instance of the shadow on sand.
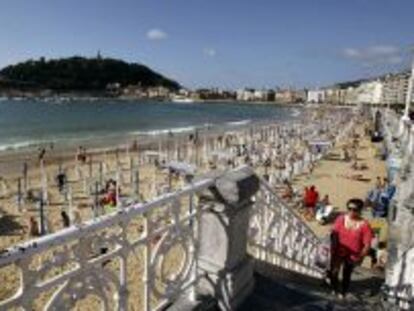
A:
(9, 225)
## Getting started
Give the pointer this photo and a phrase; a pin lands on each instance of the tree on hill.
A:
(79, 73)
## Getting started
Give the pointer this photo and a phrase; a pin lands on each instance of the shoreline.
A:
(71, 98)
(12, 160)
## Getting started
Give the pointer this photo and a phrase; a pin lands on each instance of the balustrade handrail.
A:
(279, 238)
(397, 290)
(38, 245)
(83, 234)
(279, 201)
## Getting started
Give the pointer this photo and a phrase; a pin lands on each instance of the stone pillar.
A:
(223, 258)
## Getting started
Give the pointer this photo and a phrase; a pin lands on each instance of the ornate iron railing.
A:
(398, 290)
(139, 258)
(143, 256)
(279, 237)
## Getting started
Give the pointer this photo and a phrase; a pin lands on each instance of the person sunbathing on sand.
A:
(324, 210)
(358, 177)
(359, 167)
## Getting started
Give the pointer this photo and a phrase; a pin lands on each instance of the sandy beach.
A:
(152, 181)
(331, 177)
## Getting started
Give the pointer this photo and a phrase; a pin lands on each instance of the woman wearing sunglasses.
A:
(351, 242)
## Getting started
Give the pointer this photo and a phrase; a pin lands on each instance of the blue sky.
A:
(226, 43)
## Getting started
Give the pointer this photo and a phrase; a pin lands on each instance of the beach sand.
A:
(326, 177)
(329, 177)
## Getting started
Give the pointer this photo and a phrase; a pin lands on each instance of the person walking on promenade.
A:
(351, 242)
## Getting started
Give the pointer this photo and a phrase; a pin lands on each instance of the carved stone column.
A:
(223, 258)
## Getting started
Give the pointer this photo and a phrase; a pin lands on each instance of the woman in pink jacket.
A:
(351, 242)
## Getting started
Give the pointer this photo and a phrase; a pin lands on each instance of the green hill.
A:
(81, 74)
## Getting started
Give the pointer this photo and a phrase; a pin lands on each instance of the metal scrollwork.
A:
(276, 232)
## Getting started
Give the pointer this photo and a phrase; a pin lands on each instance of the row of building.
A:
(246, 94)
(390, 89)
(269, 95)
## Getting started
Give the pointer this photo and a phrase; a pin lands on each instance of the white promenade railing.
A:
(279, 237)
(399, 287)
(144, 256)
(139, 258)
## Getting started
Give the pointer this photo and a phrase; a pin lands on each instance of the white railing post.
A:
(195, 226)
(147, 262)
(123, 292)
(223, 239)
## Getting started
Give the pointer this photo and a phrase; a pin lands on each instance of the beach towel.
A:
(324, 213)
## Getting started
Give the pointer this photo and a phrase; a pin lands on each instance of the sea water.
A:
(28, 123)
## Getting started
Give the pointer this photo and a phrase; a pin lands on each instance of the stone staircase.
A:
(285, 290)
(280, 289)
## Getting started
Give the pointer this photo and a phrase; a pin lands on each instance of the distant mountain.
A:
(81, 74)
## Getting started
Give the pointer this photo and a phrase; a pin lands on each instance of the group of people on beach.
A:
(316, 207)
(311, 204)
(351, 238)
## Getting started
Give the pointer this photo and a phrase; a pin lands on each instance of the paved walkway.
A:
(281, 295)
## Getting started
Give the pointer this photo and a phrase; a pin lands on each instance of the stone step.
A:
(273, 295)
(280, 289)
(203, 303)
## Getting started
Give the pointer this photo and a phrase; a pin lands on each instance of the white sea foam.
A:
(242, 122)
(165, 131)
(295, 113)
(19, 145)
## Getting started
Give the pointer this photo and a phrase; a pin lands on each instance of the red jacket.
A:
(350, 242)
(311, 198)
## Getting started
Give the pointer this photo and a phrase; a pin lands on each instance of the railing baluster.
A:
(147, 262)
(123, 295)
(195, 226)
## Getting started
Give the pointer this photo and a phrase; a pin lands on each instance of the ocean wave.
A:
(165, 131)
(295, 113)
(242, 122)
(20, 145)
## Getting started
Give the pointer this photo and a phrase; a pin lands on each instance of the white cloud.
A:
(374, 55)
(351, 53)
(383, 50)
(156, 34)
(210, 52)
